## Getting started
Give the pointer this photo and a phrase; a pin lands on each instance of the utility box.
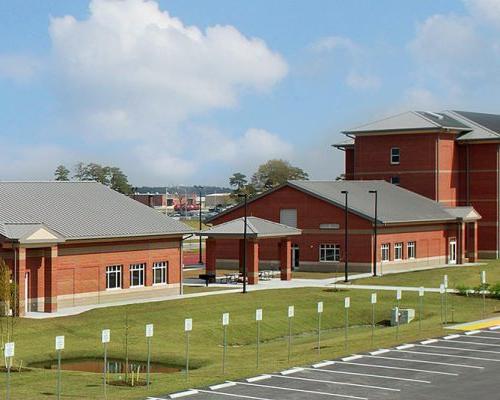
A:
(406, 315)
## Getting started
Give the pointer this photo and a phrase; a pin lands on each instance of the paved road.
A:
(461, 366)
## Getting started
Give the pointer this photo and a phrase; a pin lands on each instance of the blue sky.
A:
(185, 91)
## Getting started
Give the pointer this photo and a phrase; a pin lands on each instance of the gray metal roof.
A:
(256, 227)
(483, 126)
(410, 120)
(466, 213)
(395, 204)
(79, 210)
(349, 142)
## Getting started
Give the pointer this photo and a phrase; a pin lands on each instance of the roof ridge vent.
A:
(438, 116)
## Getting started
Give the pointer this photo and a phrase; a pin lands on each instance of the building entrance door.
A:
(295, 256)
(452, 251)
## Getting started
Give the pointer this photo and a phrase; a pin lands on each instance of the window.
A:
(288, 216)
(329, 252)
(386, 247)
(398, 251)
(137, 275)
(159, 272)
(395, 155)
(395, 180)
(114, 277)
(411, 250)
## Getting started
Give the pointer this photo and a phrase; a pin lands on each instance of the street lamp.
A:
(375, 250)
(200, 260)
(245, 196)
(346, 241)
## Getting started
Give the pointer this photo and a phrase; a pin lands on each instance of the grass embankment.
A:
(468, 276)
(35, 338)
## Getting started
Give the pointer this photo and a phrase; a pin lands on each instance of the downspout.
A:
(437, 169)
(181, 266)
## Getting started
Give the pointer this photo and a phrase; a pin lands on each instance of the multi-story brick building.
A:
(78, 243)
(452, 157)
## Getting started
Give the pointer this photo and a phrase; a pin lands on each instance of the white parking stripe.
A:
(458, 348)
(494, 328)
(240, 396)
(428, 362)
(369, 375)
(346, 396)
(480, 336)
(222, 385)
(464, 341)
(448, 355)
(338, 383)
(401, 368)
(472, 332)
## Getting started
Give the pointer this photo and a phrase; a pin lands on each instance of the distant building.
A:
(79, 243)
(217, 199)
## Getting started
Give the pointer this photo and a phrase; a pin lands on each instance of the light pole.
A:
(200, 260)
(245, 196)
(375, 233)
(346, 241)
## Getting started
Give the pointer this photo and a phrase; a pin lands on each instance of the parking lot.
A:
(465, 365)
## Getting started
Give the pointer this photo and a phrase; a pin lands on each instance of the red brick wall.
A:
(417, 160)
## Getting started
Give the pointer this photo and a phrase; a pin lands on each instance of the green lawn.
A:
(35, 338)
(469, 276)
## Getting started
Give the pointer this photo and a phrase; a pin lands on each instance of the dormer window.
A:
(394, 155)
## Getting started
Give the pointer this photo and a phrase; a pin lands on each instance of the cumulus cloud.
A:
(354, 65)
(457, 57)
(18, 67)
(132, 72)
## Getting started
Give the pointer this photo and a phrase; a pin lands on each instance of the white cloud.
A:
(457, 58)
(487, 10)
(330, 43)
(18, 67)
(132, 72)
(360, 81)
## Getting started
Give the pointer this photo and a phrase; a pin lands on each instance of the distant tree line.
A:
(268, 175)
(109, 176)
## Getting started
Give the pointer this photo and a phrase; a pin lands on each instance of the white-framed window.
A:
(114, 277)
(398, 251)
(411, 250)
(395, 180)
(329, 252)
(385, 250)
(160, 272)
(395, 155)
(137, 274)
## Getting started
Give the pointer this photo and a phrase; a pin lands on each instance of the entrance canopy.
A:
(257, 229)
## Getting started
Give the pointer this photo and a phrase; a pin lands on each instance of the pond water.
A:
(115, 366)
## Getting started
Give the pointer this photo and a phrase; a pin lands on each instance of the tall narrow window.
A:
(385, 249)
(411, 250)
(394, 155)
(137, 275)
(160, 272)
(114, 277)
(329, 252)
(398, 251)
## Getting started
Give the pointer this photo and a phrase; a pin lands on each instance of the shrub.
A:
(495, 290)
(464, 290)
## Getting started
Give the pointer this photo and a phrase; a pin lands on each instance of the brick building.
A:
(77, 243)
(452, 157)
(413, 231)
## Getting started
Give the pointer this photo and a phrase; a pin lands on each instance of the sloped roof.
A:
(256, 227)
(483, 126)
(409, 121)
(395, 204)
(466, 213)
(78, 210)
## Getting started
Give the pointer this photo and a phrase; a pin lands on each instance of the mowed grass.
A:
(35, 338)
(469, 276)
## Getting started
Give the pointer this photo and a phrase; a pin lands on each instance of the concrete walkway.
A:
(263, 285)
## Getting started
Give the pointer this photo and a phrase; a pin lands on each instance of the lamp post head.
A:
(372, 191)
(344, 192)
